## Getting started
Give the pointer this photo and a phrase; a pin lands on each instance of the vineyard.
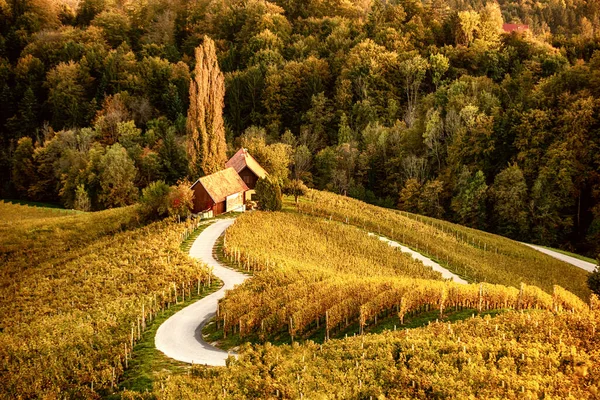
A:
(478, 256)
(531, 355)
(79, 289)
(75, 300)
(329, 274)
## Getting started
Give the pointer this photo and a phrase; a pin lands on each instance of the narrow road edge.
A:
(180, 336)
(588, 266)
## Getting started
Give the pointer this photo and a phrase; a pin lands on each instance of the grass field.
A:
(78, 291)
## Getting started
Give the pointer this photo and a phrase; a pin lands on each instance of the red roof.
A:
(222, 184)
(243, 159)
(515, 27)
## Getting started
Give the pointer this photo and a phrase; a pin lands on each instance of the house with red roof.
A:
(247, 167)
(228, 189)
(220, 192)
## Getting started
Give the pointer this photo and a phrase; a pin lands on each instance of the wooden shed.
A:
(247, 167)
(219, 192)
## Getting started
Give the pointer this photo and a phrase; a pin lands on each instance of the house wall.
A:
(248, 177)
(202, 200)
(218, 208)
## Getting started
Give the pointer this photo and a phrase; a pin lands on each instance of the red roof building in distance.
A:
(247, 167)
(219, 192)
(508, 28)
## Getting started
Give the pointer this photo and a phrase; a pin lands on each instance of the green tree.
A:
(25, 123)
(313, 133)
(206, 130)
(115, 27)
(469, 203)
(410, 196)
(302, 162)
(82, 199)
(23, 169)
(324, 165)
(413, 71)
(439, 64)
(67, 84)
(509, 195)
(268, 195)
(296, 188)
(117, 176)
(274, 158)
(469, 26)
(345, 134)
(154, 202)
(430, 199)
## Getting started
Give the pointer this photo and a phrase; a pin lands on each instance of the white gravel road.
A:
(426, 261)
(180, 336)
(588, 266)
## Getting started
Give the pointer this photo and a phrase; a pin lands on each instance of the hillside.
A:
(77, 292)
(435, 108)
(91, 282)
(476, 255)
(323, 283)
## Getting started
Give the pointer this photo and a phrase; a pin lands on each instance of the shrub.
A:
(155, 200)
(268, 195)
(82, 199)
(295, 188)
(180, 202)
(593, 281)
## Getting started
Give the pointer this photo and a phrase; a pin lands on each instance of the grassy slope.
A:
(574, 255)
(478, 256)
(299, 252)
(72, 286)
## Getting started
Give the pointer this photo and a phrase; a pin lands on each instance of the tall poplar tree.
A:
(206, 131)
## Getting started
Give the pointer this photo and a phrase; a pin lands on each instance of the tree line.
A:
(428, 107)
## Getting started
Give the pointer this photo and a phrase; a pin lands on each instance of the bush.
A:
(295, 188)
(593, 281)
(82, 199)
(268, 195)
(180, 202)
(155, 200)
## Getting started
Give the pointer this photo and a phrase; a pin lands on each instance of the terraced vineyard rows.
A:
(69, 322)
(536, 354)
(314, 272)
(476, 255)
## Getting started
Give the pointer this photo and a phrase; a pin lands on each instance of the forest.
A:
(426, 106)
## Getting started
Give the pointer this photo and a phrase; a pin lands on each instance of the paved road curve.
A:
(180, 336)
(588, 266)
(426, 261)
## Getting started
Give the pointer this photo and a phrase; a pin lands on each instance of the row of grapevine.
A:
(338, 301)
(476, 255)
(333, 274)
(532, 355)
(69, 322)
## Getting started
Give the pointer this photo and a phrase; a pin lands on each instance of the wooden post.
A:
(326, 325)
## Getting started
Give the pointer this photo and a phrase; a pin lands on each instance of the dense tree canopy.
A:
(426, 106)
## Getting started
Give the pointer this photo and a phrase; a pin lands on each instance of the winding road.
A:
(426, 261)
(180, 336)
(588, 266)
